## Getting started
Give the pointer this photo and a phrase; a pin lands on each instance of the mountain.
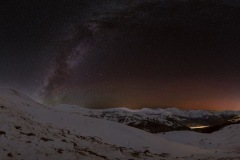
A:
(216, 127)
(157, 120)
(29, 130)
(33, 131)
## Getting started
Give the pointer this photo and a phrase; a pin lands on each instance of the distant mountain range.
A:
(161, 120)
(29, 130)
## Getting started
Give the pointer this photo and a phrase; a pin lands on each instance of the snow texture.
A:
(29, 130)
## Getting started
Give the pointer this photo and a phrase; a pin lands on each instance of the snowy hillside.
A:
(223, 141)
(29, 130)
(156, 120)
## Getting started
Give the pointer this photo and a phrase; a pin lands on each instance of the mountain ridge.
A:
(29, 130)
(156, 120)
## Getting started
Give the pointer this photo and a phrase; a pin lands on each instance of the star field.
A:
(123, 53)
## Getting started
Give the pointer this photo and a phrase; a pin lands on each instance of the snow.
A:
(29, 130)
(235, 119)
(168, 112)
(223, 141)
(168, 119)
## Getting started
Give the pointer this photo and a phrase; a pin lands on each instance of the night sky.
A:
(123, 53)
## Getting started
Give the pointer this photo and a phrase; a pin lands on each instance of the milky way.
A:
(132, 53)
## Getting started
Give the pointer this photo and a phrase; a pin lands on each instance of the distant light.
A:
(196, 127)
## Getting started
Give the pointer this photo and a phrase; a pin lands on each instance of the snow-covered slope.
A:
(156, 120)
(235, 119)
(29, 130)
(224, 142)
